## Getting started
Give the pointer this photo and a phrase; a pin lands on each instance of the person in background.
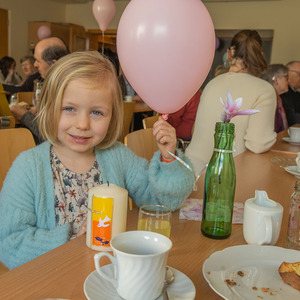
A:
(8, 74)
(80, 116)
(47, 52)
(277, 75)
(291, 99)
(183, 120)
(255, 132)
(28, 68)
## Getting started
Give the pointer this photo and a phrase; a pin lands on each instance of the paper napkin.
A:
(192, 210)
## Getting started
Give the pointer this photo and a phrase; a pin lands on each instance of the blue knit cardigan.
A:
(27, 215)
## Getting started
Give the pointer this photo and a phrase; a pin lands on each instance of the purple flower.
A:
(231, 109)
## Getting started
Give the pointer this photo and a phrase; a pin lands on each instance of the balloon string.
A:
(196, 176)
(102, 42)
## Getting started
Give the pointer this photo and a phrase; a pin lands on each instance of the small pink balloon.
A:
(104, 11)
(166, 48)
(43, 32)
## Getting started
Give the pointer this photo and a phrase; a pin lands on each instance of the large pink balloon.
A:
(43, 32)
(166, 48)
(104, 11)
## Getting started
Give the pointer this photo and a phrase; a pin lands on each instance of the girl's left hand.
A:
(165, 136)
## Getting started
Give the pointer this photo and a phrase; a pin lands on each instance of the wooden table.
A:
(282, 146)
(61, 272)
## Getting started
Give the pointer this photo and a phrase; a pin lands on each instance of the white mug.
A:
(140, 259)
(262, 220)
(294, 133)
(128, 98)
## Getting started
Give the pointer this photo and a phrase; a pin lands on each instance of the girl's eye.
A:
(68, 108)
(97, 113)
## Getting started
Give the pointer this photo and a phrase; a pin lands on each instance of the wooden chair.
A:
(148, 122)
(128, 115)
(12, 143)
(4, 107)
(25, 97)
(142, 143)
(7, 122)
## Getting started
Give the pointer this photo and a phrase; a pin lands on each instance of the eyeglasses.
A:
(280, 76)
(298, 72)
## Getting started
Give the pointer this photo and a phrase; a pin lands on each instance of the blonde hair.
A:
(86, 65)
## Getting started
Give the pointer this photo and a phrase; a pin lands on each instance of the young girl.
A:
(44, 196)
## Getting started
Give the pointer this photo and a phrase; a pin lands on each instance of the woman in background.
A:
(255, 132)
(8, 74)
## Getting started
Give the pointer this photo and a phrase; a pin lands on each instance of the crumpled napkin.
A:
(192, 210)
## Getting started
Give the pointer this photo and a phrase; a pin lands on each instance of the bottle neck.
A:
(224, 137)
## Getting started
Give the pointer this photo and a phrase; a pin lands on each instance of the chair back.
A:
(12, 143)
(4, 107)
(128, 114)
(7, 122)
(148, 122)
(25, 97)
(142, 143)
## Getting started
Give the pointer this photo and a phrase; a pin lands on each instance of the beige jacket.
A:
(255, 132)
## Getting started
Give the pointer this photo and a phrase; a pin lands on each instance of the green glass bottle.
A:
(219, 185)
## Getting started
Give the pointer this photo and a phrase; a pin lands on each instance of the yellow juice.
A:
(155, 225)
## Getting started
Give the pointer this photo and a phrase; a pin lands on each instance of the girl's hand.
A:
(82, 228)
(165, 136)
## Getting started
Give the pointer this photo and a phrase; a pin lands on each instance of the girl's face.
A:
(85, 116)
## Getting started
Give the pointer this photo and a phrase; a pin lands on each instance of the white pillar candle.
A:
(107, 215)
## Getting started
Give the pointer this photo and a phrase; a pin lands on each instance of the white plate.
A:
(292, 170)
(97, 288)
(289, 140)
(259, 264)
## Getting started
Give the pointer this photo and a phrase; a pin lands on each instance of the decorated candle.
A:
(107, 215)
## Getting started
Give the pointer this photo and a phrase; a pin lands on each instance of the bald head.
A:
(47, 52)
(294, 74)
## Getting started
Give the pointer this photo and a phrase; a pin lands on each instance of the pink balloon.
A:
(43, 32)
(166, 48)
(104, 11)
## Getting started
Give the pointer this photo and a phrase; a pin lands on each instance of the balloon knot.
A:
(165, 116)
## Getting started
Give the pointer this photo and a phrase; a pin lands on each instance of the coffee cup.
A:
(140, 259)
(128, 98)
(294, 133)
(262, 220)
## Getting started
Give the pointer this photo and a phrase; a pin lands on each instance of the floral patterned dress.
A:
(71, 192)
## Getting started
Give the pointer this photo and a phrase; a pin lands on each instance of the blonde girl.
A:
(44, 197)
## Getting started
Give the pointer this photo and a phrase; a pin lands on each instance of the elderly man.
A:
(291, 99)
(46, 53)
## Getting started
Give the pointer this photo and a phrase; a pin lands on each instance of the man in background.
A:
(291, 99)
(47, 52)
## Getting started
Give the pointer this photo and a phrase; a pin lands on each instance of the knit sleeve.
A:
(158, 182)
(28, 228)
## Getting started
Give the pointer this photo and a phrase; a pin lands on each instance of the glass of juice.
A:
(156, 218)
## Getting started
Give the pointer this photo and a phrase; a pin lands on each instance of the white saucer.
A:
(97, 288)
(289, 140)
(292, 170)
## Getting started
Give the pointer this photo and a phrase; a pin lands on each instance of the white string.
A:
(196, 177)
(224, 151)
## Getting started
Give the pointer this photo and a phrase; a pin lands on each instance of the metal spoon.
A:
(168, 280)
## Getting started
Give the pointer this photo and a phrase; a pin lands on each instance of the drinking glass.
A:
(156, 218)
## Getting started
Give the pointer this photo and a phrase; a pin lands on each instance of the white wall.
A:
(282, 16)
